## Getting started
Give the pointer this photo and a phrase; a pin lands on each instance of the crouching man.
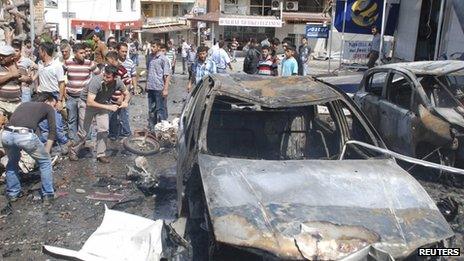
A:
(96, 103)
(19, 134)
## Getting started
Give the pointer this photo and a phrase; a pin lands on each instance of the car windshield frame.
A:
(372, 135)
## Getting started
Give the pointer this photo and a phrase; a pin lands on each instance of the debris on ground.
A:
(144, 180)
(166, 132)
(106, 196)
(449, 208)
(121, 236)
(80, 191)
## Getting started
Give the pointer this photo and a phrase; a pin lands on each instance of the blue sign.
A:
(317, 31)
(362, 15)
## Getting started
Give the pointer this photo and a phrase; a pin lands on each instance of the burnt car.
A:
(417, 108)
(275, 168)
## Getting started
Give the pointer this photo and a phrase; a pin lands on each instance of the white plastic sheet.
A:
(121, 236)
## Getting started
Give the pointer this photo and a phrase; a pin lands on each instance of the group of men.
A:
(70, 90)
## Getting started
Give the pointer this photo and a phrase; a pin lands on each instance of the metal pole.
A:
(343, 32)
(67, 19)
(332, 26)
(440, 24)
(382, 31)
(198, 34)
(32, 19)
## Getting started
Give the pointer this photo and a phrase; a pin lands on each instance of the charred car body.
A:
(418, 108)
(265, 169)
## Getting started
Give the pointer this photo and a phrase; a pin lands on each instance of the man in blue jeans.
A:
(159, 76)
(19, 135)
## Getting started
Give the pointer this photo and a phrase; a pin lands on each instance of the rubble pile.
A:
(144, 180)
(166, 132)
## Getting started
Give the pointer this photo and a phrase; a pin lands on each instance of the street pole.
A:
(67, 19)
(198, 34)
(382, 31)
(32, 19)
(440, 24)
(332, 26)
(343, 32)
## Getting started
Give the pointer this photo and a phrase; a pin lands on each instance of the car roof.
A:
(427, 67)
(275, 92)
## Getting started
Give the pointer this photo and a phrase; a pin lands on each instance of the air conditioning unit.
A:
(291, 5)
(275, 5)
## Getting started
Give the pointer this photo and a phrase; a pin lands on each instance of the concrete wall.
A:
(96, 10)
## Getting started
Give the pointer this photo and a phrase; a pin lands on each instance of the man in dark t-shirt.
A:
(19, 135)
(96, 101)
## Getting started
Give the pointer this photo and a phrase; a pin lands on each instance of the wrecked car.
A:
(274, 168)
(417, 108)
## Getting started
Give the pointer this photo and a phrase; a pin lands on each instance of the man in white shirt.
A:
(221, 58)
(51, 74)
(185, 50)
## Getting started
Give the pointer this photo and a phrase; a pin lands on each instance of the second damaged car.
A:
(275, 168)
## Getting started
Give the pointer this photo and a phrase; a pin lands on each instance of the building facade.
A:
(166, 19)
(245, 19)
(77, 18)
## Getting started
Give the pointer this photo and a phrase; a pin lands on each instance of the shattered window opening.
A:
(399, 91)
(376, 82)
(437, 95)
(244, 130)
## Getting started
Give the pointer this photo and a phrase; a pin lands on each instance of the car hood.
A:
(318, 209)
(451, 115)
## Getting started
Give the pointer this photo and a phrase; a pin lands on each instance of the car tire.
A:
(441, 156)
(140, 145)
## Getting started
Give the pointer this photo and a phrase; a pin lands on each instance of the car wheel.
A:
(440, 156)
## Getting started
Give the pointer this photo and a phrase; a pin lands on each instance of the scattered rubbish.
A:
(65, 215)
(106, 196)
(144, 180)
(166, 132)
(80, 191)
(59, 194)
(6, 211)
(107, 181)
(127, 203)
(448, 207)
(121, 236)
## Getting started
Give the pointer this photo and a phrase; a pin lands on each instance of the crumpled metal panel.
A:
(275, 92)
(428, 67)
(324, 209)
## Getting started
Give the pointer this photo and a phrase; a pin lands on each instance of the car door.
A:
(370, 94)
(397, 120)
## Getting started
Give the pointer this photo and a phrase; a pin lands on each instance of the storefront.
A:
(82, 28)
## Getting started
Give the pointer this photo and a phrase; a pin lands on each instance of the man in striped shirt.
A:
(10, 81)
(122, 48)
(267, 64)
(79, 71)
(171, 55)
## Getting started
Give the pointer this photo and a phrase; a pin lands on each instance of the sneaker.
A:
(13, 198)
(103, 159)
(48, 199)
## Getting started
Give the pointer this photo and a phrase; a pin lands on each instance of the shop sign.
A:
(255, 22)
(317, 31)
(358, 50)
